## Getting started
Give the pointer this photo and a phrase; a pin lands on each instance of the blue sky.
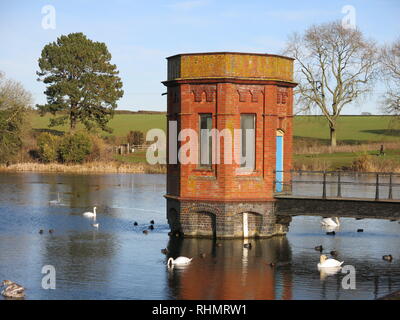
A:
(140, 34)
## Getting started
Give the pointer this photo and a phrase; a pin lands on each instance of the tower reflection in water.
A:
(229, 271)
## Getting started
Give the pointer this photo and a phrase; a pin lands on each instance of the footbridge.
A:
(339, 194)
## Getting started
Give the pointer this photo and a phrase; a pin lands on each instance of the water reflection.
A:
(81, 258)
(231, 271)
(119, 262)
(326, 272)
(330, 228)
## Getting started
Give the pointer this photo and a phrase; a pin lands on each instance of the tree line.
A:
(334, 66)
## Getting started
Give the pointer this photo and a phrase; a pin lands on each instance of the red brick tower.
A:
(229, 91)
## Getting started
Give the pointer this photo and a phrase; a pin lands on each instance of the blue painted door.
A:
(279, 164)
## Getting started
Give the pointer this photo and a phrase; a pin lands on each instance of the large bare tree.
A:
(390, 66)
(334, 67)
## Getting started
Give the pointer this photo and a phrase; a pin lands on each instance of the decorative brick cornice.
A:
(236, 80)
(198, 91)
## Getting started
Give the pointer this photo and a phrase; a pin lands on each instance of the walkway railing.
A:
(340, 184)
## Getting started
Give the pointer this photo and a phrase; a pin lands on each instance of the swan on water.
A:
(324, 262)
(55, 202)
(180, 261)
(329, 222)
(90, 214)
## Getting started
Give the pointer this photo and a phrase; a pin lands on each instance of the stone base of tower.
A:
(228, 220)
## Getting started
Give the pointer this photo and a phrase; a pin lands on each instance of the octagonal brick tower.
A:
(229, 90)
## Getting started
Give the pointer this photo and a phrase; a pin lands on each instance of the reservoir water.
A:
(118, 261)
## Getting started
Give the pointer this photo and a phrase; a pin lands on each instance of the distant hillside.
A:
(139, 112)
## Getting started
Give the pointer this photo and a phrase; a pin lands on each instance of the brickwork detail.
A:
(199, 91)
(282, 100)
(249, 93)
(282, 95)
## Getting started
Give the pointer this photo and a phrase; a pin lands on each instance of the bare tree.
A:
(334, 66)
(13, 96)
(390, 67)
(14, 102)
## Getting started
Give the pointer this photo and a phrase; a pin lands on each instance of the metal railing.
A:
(380, 181)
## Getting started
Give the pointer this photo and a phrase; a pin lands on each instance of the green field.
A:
(121, 123)
(351, 129)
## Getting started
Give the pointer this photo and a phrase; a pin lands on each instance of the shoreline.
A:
(99, 167)
(391, 296)
(102, 167)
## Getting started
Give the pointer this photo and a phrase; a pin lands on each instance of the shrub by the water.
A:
(74, 148)
(48, 145)
(369, 163)
(101, 151)
(110, 139)
(135, 138)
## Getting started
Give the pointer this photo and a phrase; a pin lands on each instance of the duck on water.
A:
(12, 290)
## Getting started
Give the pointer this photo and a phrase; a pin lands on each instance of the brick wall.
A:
(224, 219)
(212, 200)
(221, 181)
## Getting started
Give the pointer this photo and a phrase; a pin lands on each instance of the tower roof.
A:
(211, 65)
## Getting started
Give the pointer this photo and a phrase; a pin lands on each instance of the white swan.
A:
(180, 261)
(90, 214)
(324, 262)
(55, 202)
(326, 272)
(329, 222)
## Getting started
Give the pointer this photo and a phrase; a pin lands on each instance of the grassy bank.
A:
(86, 168)
(357, 158)
(136, 163)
